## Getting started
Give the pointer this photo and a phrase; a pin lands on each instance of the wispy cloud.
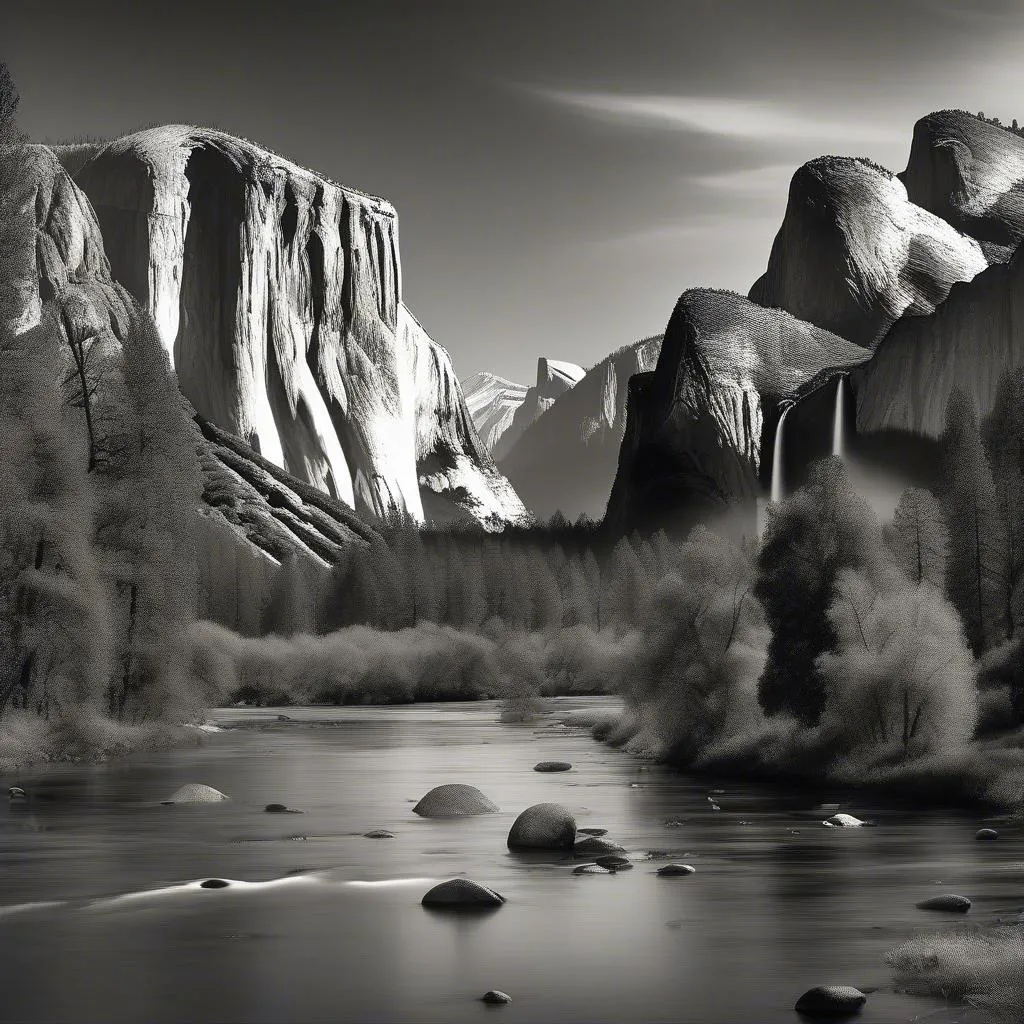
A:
(770, 181)
(733, 118)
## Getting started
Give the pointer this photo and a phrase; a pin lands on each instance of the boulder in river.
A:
(196, 793)
(462, 893)
(214, 883)
(595, 846)
(281, 809)
(590, 869)
(613, 862)
(986, 834)
(379, 833)
(454, 800)
(496, 997)
(674, 870)
(948, 902)
(831, 1001)
(552, 766)
(843, 820)
(544, 827)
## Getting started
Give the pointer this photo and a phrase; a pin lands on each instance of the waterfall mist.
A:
(778, 491)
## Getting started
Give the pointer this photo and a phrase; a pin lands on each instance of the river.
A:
(98, 923)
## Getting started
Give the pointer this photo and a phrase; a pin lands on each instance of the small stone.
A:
(462, 893)
(552, 766)
(949, 902)
(843, 821)
(614, 863)
(590, 869)
(986, 834)
(379, 833)
(196, 793)
(496, 997)
(276, 809)
(16, 793)
(831, 1001)
(592, 831)
(214, 883)
(544, 827)
(673, 870)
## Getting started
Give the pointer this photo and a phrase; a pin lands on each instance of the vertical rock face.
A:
(694, 438)
(492, 402)
(554, 378)
(565, 460)
(272, 510)
(278, 294)
(854, 254)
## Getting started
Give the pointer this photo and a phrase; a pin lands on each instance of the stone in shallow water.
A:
(672, 870)
(552, 766)
(949, 902)
(16, 793)
(496, 997)
(594, 846)
(614, 863)
(379, 833)
(462, 892)
(281, 809)
(196, 793)
(986, 834)
(590, 869)
(214, 883)
(844, 821)
(831, 1001)
(544, 827)
(453, 801)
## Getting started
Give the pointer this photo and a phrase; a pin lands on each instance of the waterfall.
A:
(839, 420)
(777, 484)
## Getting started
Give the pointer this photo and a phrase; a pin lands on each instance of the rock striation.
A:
(566, 460)
(278, 295)
(492, 402)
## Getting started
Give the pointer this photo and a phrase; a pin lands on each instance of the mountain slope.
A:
(278, 294)
(492, 402)
(565, 460)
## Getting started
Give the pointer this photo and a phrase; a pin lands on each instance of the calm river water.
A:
(93, 926)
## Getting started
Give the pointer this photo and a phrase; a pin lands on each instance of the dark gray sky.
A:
(562, 169)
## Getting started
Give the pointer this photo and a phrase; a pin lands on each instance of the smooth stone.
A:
(590, 869)
(552, 766)
(594, 846)
(461, 892)
(16, 793)
(544, 827)
(454, 800)
(673, 870)
(280, 809)
(614, 863)
(379, 833)
(592, 831)
(496, 997)
(986, 833)
(196, 793)
(214, 883)
(949, 902)
(843, 821)
(831, 1001)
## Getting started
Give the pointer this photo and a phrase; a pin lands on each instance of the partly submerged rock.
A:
(591, 869)
(842, 820)
(544, 827)
(214, 883)
(454, 800)
(986, 834)
(462, 893)
(613, 862)
(831, 1001)
(496, 997)
(281, 809)
(16, 793)
(674, 870)
(949, 902)
(552, 766)
(596, 846)
(379, 833)
(196, 793)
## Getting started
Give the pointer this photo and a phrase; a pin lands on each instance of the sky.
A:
(562, 169)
